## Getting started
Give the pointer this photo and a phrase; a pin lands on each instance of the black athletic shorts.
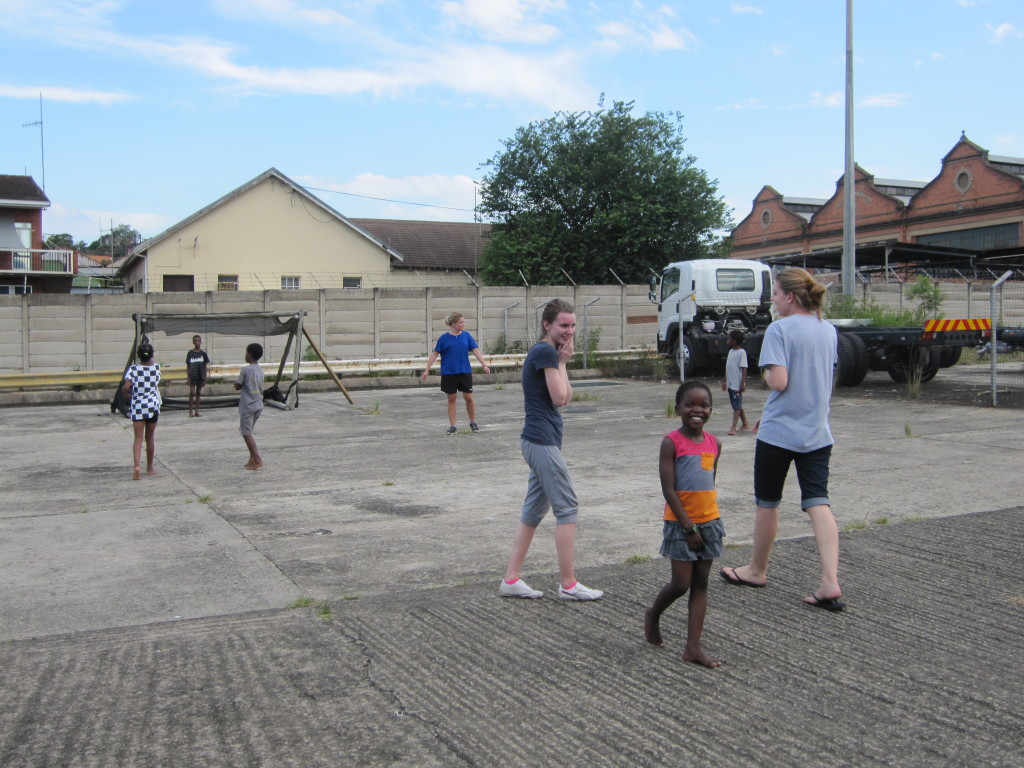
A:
(456, 382)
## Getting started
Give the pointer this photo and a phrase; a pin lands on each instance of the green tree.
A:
(591, 191)
(929, 297)
(116, 242)
(63, 241)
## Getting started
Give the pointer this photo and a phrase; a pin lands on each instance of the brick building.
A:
(972, 212)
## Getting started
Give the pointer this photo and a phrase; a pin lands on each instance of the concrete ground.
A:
(155, 622)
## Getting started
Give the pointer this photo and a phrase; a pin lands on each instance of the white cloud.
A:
(57, 93)
(505, 20)
(737, 8)
(885, 100)
(1002, 32)
(620, 34)
(778, 50)
(89, 225)
(819, 99)
(285, 11)
(751, 103)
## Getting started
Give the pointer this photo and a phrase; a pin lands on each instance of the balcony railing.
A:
(28, 261)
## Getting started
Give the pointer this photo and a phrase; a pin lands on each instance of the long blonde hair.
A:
(809, 293)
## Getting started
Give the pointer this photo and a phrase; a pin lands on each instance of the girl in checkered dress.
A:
(142, 386)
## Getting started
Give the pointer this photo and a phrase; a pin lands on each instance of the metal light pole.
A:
(849, 262)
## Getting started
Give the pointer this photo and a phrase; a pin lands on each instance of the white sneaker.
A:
(518, 589)
(579, 592)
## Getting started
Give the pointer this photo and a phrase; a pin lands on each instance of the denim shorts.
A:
(675, 547)
(736, 400)
(771, 465)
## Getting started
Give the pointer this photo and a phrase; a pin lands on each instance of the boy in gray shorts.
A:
(249, 384)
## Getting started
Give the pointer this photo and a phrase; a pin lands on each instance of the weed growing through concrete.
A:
(206, 498)
(881, 521)
(913, 519)
(859, 525)
(350, 597)
(323, 608)
(635, 559)
(373, 410)
(579, 396)
(908, 431)
(670, 409)
(387, 483)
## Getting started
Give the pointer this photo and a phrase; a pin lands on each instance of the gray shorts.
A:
(247, 422)
(550, 486)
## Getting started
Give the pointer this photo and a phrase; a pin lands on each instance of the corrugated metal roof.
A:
(431, 244)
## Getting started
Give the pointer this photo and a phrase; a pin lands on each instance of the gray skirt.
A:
(674, 546)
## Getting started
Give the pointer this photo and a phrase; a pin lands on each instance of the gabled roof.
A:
(431, 244)
(21, 192)
(144, 246)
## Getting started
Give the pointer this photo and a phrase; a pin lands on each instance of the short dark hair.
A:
(737, 335)
(689, 384)
(255, 351)
(145, 352)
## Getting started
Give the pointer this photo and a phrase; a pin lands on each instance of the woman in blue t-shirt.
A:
(798, 357)
(546, 388)
(455, 347)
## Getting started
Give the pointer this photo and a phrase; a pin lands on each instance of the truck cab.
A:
(701, 301)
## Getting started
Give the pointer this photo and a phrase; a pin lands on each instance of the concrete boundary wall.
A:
(46, 332)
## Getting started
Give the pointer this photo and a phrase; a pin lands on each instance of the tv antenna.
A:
(33, 124)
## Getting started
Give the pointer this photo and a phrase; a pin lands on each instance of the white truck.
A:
(701, 301)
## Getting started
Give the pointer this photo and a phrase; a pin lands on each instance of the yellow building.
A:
(271, 234)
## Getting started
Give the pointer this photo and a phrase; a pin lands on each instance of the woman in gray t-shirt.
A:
(798, 357)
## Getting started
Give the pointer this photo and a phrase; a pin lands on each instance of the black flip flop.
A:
(735, 579)
(833, 604)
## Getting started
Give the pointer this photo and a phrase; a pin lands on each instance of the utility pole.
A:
(849, 259)
(33, 124)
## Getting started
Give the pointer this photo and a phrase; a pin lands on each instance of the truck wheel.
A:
(685, 358)
(922, 362)
(846, 360)
(863, 360)
(950, 356)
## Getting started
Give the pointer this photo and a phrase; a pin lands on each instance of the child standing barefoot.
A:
(693, 530)
(250, 401)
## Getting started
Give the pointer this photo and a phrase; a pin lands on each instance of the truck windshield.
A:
(669, 283)
(735, 279)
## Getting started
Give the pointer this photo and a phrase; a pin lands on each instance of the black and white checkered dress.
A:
(146, 400)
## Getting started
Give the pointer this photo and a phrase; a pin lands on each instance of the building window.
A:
(766, 218)
(227, 282)
(179, 283)
(977, 239)
(24, 230)
(16, 290)
(290, 283)
(351, 282)
(963, 182)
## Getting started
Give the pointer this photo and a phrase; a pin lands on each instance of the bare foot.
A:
(198, 414)
(136, 474)
(257, 465)
(150, 471)
(699, 657)
(652, 630)
(731, 432)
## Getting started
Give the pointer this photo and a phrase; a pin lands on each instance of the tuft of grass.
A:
(388, 483)
(206, 498)
(323, 608)
(670, 408)
(373, 410)
(913, 519)
(635, 559)
(859, 525)
(350, 597)
(908, 431)
(881, 521)
(579, 396)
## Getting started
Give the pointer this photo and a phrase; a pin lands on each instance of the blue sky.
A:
(152, 110)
